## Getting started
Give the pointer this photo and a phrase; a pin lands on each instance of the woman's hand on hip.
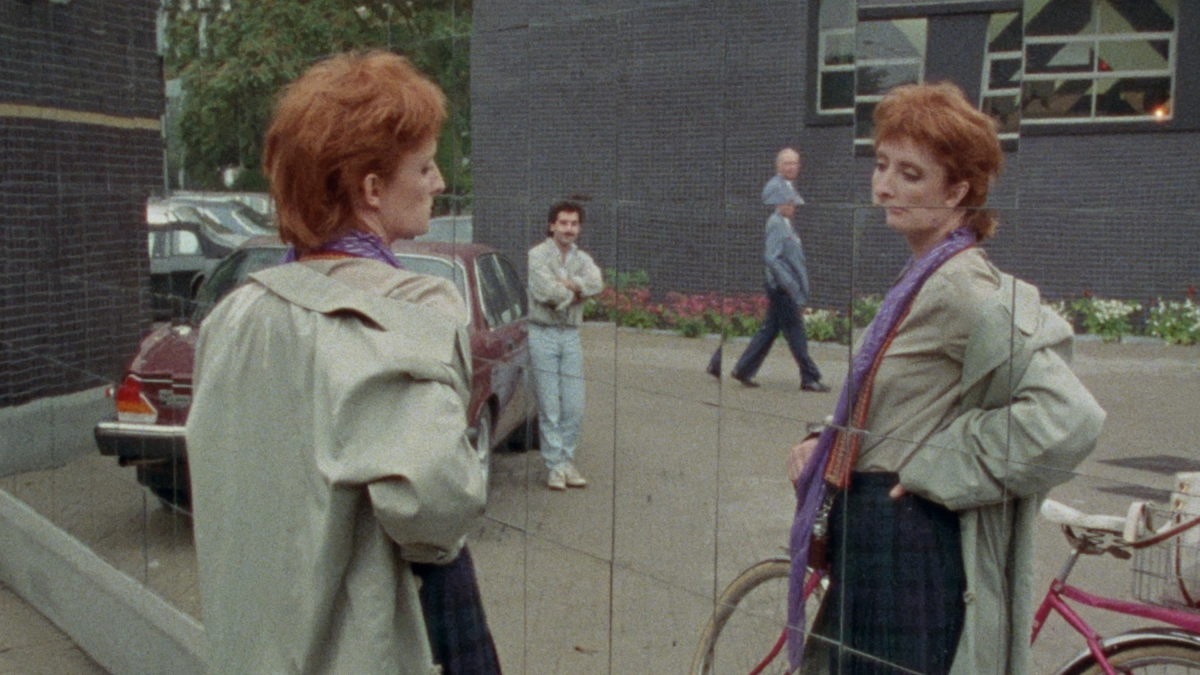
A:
(799, 456)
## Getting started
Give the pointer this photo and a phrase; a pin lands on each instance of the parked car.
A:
(259, 201)
(186, 238)
(454, 229)
(155, 393)
(234, 216)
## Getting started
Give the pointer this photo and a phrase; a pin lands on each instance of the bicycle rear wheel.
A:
(1150, 660)
(748, 621)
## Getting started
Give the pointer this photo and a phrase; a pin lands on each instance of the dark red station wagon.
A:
(155, 393)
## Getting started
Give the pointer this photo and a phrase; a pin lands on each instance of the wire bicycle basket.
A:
(1166, 560)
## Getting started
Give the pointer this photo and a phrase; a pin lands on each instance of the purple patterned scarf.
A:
(355, 243)
(811, 486)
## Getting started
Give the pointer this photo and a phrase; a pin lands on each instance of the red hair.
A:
(348, 116)
(939, 118)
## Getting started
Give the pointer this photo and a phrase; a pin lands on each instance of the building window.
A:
(1000, 90)
(890, 53)
(835, 66)
(1098, 61)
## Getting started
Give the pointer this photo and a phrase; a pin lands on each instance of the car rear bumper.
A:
(134, 443)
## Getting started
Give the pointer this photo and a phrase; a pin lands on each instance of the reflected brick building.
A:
(80, 103)
(668, 115)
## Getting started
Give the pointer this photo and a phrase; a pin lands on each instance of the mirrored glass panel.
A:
(685, 391)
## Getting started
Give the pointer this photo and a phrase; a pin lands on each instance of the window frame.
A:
(1096, 39)
(869, 100)
(1185, 83)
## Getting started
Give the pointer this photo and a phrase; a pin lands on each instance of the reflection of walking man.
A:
(786, 284)
(560, 277)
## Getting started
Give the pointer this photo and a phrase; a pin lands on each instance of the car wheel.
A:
(169, 483)
(483, 440)
(526, 436)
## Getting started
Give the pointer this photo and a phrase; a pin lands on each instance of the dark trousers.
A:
(895, 602)
(783, 314)
(458, 630)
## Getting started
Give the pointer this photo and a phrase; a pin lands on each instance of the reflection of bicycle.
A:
(746, 634)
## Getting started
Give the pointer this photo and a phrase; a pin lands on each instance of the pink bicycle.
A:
(744, 635)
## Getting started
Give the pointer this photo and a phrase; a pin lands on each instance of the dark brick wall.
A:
(669, 116)
(73, 187)
(666, 115)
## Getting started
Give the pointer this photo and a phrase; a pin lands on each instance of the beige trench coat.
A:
(1024, 424)
(328, 451)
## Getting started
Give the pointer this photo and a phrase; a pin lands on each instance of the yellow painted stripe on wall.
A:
(79, 117)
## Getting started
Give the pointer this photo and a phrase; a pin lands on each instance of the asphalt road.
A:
(687, 489)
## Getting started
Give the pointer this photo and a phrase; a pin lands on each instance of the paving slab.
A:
(687, 489)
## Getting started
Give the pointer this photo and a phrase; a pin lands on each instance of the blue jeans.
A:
(783, 314)
(556, 354)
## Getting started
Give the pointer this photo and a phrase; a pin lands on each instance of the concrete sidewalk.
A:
(687, 490)
(31, 645)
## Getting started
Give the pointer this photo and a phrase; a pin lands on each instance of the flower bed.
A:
(628, 301)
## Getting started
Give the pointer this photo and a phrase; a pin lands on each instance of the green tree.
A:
(233, 60)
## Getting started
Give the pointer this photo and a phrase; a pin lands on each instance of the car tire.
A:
(526, 436)
(168, 482)
(484, 428)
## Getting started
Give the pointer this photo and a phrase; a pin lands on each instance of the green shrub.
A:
(624, 281)
(691, 327)
(1110, 319)
(1176, 322)
(821, 324)
(863, 309)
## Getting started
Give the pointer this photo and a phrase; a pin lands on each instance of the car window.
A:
(236, 218)
(185, 243)
(450, 229)
(501, 307)
(438, 267)
(513, 285)
(232, 271)
(252, 220)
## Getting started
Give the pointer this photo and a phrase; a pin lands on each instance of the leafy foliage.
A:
(1110, 319)
(233, 64)
(1175, 322)
(628, 301)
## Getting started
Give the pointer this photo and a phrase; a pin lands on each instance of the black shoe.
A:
(816, 385)
(713, 371)
(746, 382)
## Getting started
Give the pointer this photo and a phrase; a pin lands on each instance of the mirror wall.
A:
(664, 120)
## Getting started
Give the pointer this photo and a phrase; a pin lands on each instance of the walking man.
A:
(561, 276)
(786, 284)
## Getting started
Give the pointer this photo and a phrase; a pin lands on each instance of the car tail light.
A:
(132, 404)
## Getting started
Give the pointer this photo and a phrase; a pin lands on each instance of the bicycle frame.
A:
(809, 585)
(1059, 589)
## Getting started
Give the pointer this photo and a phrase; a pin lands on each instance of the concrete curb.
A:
(50, 432)
(117, 621)
(122, 625)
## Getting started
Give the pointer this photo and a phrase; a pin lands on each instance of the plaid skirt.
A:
(896, 601)
(453, 609)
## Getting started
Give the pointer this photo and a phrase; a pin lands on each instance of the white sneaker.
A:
(557, 480)
(573, 477)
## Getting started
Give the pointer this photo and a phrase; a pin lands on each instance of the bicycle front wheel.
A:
(1150, 660)
(743, 634)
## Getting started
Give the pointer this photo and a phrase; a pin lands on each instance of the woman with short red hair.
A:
(327, 437)
(960, 410)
